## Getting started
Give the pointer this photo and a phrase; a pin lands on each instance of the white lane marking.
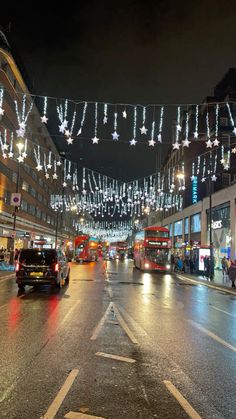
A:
(182, 401)
(56, 404)
(77, 415)
(213, 336)
(69, 312)
(99, 326)
(223, 289)
(124, 325)
(222, 311)
(116, 357)
(5, 278)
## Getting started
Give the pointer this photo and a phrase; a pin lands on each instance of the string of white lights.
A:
(133, 141)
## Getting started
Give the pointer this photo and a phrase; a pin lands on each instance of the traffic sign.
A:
(16, 199)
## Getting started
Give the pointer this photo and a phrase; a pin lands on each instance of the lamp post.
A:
(20, 147)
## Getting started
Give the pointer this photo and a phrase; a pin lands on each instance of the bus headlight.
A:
(146, 265)
(167, 266)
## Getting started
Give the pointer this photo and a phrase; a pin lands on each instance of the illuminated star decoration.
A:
(54, 176)
(44, 119)
(209, 144)
(186, 143)
(124, 114)
(214, 178)
(24, 155)
(69, 140)
(192, 178)
(151, 143)
(143, 130)
(195, 134)
(49, 166)
(133, 142)
(234, 150)
(203, 179)
(115, 136)
(10, 154)
(68, 176)
(64, 184)
(95, 140)
(47, 175)
(234, 130)
(39, 167)
(20, 159)
(67, 133)
(1, 111)
(105, 120)
(59, 163)
(176, 146)
(216, 142)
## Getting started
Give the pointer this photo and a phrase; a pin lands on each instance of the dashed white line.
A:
(116, 357)
(99, 326)
(213, 336)
(182, 401)
(56, 404)
(124, 325)
(222, 311)
(78, 415)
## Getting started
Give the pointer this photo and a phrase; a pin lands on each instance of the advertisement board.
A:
(201, 255)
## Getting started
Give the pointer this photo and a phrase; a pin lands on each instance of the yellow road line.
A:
(116, 357)
(56, 404)
(182, 401)
(98, 328)
(124, 325)
(213, 336)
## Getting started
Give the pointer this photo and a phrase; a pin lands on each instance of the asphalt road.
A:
(117, 343)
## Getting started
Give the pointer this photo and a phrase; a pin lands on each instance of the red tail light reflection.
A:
(56, 269)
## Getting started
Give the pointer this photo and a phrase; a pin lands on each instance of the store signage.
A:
(194, 190)
(216, 224)
(16, 199)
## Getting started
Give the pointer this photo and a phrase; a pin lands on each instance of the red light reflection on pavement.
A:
(14, 314)
(53, 311)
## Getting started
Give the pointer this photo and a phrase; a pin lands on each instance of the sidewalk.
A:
(217, 282)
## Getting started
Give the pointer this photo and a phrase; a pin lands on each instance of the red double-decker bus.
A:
(152, 249)
(86, 248)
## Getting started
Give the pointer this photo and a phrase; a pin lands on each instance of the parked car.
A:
(42, 266)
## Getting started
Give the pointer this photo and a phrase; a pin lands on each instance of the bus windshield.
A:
(159, 256)
(155, 233)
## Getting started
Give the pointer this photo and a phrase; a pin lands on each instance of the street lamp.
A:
(20, 147)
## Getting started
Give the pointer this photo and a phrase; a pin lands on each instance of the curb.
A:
(206, 284)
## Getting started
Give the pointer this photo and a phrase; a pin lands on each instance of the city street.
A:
(117, 343)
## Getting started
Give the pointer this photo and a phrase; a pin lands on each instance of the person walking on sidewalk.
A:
(224, 267)
(232, 274)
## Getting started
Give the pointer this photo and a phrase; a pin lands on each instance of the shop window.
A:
(178, 228)
(24, 205)
(186, 223)
(38, 212)
(195, 225)
(33, 192)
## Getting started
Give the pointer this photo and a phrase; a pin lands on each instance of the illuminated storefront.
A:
(221, 233)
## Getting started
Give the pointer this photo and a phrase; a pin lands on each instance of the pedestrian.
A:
(172, 261)
(232, 274)
(224, 267)
(16, 254)
(191, 265)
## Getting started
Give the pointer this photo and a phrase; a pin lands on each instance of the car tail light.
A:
(56, 268)
(17, 266)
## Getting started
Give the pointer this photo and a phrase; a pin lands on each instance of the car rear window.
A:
(40, 257)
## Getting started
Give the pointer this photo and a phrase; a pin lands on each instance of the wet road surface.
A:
(117, 343)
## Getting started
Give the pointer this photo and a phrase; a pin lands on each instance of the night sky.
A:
(159, 51)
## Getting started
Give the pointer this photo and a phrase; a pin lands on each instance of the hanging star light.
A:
(143, 130)
(95, 140)
(176, 146)
(115, 136)
(214, 178)
(47, 176)
(20, 159)
(124, 114)
(10, 154)
(203, 179)
(151, 143)
(233, 150)
(44, 119)
(186, 143)
(1, 101)
(69, 140)
(39, 167)
(209, 143)
(67, 133)
(64, 184)
(216, 142)
(133, 142)
(54, 176)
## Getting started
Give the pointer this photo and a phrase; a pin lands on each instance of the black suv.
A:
(42, 266)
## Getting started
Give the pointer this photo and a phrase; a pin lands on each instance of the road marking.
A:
(77, 415)
(116, 357)
(5, 277)
(56, 404)
(223, 311)
(99, 326)
(182, 401)
(213, 336)
(223, 289)
(124, 325)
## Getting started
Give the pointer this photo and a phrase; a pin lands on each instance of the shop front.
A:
(221, 233)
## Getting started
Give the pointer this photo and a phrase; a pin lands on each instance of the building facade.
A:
(36, 222)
